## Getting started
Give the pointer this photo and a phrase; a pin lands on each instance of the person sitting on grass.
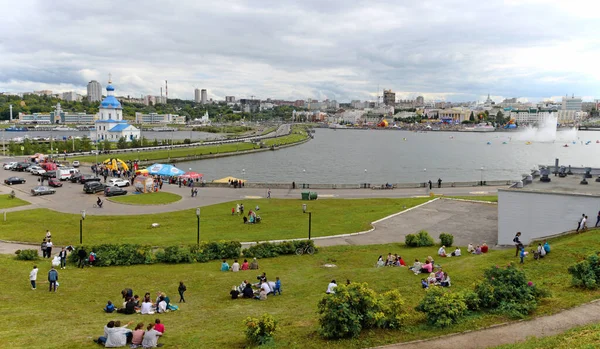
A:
(456, 253)
(331, 287)
(159, 326)
(416, 268)
(234, 292)
(541, 251)
(431, 280)
(118, 336)
(224, 266)
(138, 335)
(248, 292)
(477, 250)
(484, 248)
(430, 260)
(109, 308)
(380, 262)
(470, 248)
(147, 306)
(424, 283)
(129, 307)
(546, 246)
(439, 275)
(390, 260)
(401, 261)
(442, 251)
(445, 281)
(162, 305)
(427, 267)
(245, 265)
(254, 264)
(151, 337)
(235, 267)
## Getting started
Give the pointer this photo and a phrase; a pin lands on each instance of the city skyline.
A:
(453, 51)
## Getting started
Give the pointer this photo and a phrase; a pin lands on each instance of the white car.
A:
(38, 171)
(33, 168)
(75, 163)
(117, 182)
(9, 165)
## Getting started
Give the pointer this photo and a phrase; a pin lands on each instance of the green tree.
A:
(472, 117)
(122, 143)
(106, 145)
(500, 118)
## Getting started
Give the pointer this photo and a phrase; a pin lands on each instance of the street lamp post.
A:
(198, 215)
(81, 226)
(365, 178)
(243, 174)
(482, 175)
(309, 219)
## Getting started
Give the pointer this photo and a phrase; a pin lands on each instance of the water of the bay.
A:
(342, 156)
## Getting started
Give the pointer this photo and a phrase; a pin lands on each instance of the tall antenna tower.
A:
(166, 90)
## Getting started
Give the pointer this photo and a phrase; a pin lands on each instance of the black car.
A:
(21, 166)
(93, 187)
(75, 177)
(88, 178)
(49, 174)
(114, 191)
(14, 180)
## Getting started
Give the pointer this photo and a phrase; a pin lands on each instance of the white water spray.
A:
(547, 132)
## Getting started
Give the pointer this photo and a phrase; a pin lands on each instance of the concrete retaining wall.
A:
(369, 186)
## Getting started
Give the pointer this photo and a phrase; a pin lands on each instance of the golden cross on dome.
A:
(109, 78)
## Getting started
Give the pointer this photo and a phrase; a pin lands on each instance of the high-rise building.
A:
(203, 96)
(389, 97)
(571, 103)
(71, 96)
(420, 101)
(197, 95)
(230, 99)
(94, 91)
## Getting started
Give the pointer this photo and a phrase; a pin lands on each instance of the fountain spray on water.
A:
(547, 132)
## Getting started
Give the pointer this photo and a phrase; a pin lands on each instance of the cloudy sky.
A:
(445, 50)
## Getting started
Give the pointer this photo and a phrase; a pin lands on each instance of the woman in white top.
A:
(162, 305)
(331, 287)
(235, 266)
(151, 337)
(147, 308)
(442, 251)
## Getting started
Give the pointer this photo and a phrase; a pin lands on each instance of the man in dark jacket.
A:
(82, 254)
(63, 258)
(52, 279)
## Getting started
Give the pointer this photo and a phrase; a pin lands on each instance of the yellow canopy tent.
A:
(227, 179)
(113, 164)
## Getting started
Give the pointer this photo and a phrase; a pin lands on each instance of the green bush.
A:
(471, 300)
(507, 291)
(27, 255)
(268, 250)
(175, 254)
(116, 254)
(586, 273)
(260, 331)
(421, 239)
(355, 307)
(446, 239)
(443, 308)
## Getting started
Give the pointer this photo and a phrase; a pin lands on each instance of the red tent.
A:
(192, 175)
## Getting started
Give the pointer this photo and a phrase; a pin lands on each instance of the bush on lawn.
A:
(27, 255)
(175, 254)
(260, 331)
(443, 308)
(116, 254)
(446, 239)
(421, 239)
(268, 250)
(506, 290)
(586, 273)
(355, 307)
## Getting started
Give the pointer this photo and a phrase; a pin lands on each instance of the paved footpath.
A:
(512, 332)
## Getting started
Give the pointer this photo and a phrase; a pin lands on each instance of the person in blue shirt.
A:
(522, 255)
(224, 266)
(546, 247)
(277, 286)
(109, 308)
(52, 279)
(424, 283)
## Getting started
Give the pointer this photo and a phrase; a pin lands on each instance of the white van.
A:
(64, 174)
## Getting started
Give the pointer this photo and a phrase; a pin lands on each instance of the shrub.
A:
(117, 254)
(586, 273)
(27, 255)
(421, 239)
(268, 250)
(175, 254)
(355, 307)
(446, 239)
(260, 331)
(443, 308)
(507, 291)
(471, 300)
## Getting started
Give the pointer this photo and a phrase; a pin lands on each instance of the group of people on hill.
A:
(480, 249)
(540, 252)
(259, 290)
(133, 305)
(116, 336)
(456, 253)
(390, 261)
(235, 267)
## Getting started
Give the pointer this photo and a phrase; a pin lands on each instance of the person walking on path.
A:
(598, 219)
(82, 254)
(181, 290)
(518, 243)
(269, 196)
(49, 248)
(582, 224)
(43, 247)
(33, 277)
(63, 258)
(52, 279)
(439, 182)
(430, 184)
(579, 223)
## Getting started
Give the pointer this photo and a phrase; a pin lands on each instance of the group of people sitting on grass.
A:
(391, 261)
(540, 252)
(235, 267)
(480, 249)
(259, 290)
(132, 304)
(439, 278)
(116, 336)
(426, 267)
(455, 253)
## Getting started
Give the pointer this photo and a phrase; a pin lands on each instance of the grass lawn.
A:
(7, 202)
(581, 337)
(298, 134)
(281, 219)
(210, 319)
(159, 198)
(490, 198)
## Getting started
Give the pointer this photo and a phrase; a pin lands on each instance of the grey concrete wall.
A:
(537, 215)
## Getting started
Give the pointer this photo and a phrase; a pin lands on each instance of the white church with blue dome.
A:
(109, 123)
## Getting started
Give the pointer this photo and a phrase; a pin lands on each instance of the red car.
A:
(53, 182)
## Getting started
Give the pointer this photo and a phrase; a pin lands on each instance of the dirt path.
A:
(512, 332)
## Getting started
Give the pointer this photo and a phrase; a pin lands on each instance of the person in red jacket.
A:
(484, 248)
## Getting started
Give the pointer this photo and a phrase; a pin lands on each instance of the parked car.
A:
(66, 173)
(114, 191)
(9, 166)
(21, 166)
(88, 178)
(93, 187)
(48, 174)
(42, 190)
(117, 182)
(53, 182)
(36, 170)
(75, 177)
(14, 180)
(75, 163)
(32, 167)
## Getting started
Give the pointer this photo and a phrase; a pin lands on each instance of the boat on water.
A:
(164, 129)
(16, 129)
(64, 128)
(480, 128)
(336, 126)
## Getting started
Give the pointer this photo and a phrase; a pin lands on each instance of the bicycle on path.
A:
(306, 249)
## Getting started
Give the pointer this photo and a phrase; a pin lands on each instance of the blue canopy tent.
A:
(164, 170)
